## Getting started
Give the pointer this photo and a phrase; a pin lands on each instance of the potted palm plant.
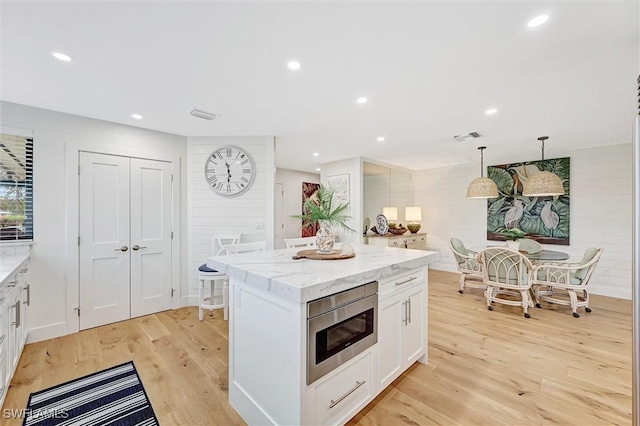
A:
(322, 210)
(513, 237)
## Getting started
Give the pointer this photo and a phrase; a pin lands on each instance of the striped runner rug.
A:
(114, 396)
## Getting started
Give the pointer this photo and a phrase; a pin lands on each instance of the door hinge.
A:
(78, 240)
(172, 235)
(78, 170)
(171, 177)
(173, 290)
(77, 310)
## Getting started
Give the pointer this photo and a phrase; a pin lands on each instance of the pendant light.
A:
(543, 183)
(482, 187)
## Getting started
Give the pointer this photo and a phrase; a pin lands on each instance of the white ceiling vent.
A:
(203, 114)
(467, 137)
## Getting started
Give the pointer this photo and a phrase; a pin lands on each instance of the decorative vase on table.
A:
(325, 237)
(513, 245)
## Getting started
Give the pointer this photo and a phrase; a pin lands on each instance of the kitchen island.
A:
(269, 381)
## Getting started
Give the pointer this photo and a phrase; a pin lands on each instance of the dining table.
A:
(543, 255)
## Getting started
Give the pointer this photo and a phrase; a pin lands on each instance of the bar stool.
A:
(215, 280)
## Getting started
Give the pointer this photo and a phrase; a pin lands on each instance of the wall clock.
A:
(230, 171)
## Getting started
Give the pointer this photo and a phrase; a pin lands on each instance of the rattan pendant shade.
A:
(543, 183)
(482, 187)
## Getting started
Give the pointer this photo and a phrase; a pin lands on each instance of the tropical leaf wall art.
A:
(544, 219)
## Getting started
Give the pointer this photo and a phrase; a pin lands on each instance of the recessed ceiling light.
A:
(293, 65)
(318, 169)
(362, 100)
(315, 154)
(538, 20)
(491, 111)
(136, 116)
(62, 57)
(380, 139)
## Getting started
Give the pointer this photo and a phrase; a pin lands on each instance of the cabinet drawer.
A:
(389, 286)
(343, 394)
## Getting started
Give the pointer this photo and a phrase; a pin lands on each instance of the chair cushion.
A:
(588, 256)
(205, 268)
(460, 248)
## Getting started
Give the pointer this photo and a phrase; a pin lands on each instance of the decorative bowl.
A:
(398, 231)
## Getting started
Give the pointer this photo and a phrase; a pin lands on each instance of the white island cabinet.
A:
(269, 381)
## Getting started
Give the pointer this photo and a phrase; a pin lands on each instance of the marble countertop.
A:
(303, 280)
(9, 263)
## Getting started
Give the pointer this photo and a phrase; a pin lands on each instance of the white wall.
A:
(601, 213)
(353, 167)
(291, 181)
(57, 139)
(250, 214)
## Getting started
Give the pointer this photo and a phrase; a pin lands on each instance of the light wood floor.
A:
(485, 368)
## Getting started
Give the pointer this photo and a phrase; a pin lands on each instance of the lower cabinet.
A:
(339, 395)
(402, 334)
(14, 305)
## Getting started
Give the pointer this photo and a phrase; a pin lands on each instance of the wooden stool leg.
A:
(225, 298)
(201, 301)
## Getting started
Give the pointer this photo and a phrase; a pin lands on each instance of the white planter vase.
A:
(514, 245)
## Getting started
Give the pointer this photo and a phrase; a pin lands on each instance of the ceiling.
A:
(429, 71)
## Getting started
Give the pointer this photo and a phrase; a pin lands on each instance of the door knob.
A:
(137, 247)
(123, 248)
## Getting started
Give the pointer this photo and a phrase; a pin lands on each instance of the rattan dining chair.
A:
(467, 264)
(566, 283)
(530, 246)
(507, 274)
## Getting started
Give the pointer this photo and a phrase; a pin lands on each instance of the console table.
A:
(411, 241)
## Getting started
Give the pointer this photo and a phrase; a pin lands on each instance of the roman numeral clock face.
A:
(230, 171)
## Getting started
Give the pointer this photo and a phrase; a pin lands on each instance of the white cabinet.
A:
(410, 241)
(14, 302)
(402, 325)
(4, 345)
(338, 396)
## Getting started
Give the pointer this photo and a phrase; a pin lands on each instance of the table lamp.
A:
(412, 214)
(391, 213)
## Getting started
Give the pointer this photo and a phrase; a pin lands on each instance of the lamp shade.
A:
(482, 187)
(391, 213)
(543, 184)
(413, 213)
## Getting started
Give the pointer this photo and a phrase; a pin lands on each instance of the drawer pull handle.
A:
(339, 400)
(407, 281)
(28, 301)
(12, 284)
(2, 338)
(24, 270)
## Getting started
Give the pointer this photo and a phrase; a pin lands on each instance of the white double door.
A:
(125, 238)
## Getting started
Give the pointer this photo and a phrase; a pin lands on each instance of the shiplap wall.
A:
(251, 214)
(601, 213)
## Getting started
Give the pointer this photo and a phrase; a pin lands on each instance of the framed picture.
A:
(309, 190)
(544, 219)
(339, 185)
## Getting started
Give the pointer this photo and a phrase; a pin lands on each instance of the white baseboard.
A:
(443, 267)
(191, 300)
(620, 293)
(47, 332)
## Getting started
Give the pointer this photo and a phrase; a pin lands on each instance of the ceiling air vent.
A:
(467, 137)
(203, 114)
